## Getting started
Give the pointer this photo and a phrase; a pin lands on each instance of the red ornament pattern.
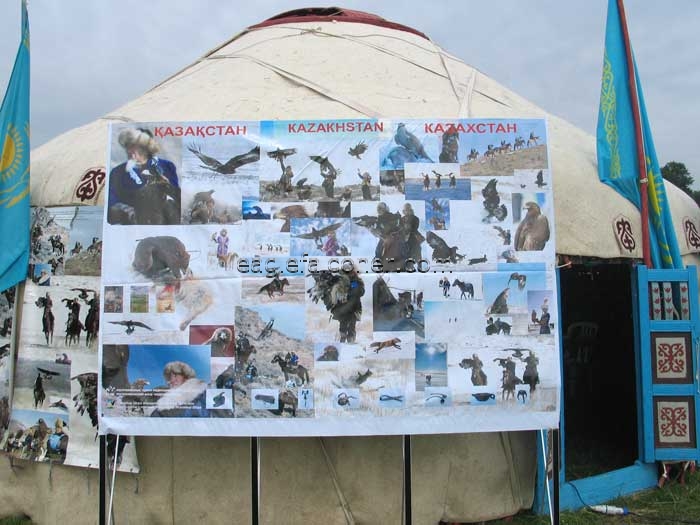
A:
(670, 358)
(623, 230)
(673, 422)
(692, 238)
(89, 183)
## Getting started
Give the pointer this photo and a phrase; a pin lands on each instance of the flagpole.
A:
(641, 159)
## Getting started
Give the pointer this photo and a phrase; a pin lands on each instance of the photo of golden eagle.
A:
(281, 154)
(327, 169)
(520, 278)
(86, 399)
(441, 251)
(84, 293)
(293, 211)
(533, 232)
(500, 304)
(47, 374)
(319, 234)
(539, 179)
(358, 150)
(131, 325)
(231, 165)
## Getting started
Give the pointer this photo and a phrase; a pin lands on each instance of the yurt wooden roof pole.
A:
(641, 162)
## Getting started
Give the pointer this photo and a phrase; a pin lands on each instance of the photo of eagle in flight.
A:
(358, 150)
(131, 325)
(319, 234)
(441, 251)
(231, 165)
(327, 168)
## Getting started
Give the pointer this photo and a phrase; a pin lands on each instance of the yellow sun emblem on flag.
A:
(11, 157)
(13, 167)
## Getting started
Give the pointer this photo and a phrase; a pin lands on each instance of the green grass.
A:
(15, 521)
(675, 503)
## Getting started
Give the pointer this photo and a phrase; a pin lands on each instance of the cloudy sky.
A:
(90, 57)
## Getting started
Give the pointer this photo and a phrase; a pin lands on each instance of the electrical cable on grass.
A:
(611, 510)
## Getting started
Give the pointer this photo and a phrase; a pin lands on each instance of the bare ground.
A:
(504, 164)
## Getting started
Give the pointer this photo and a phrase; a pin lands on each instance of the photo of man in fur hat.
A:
(145, 188)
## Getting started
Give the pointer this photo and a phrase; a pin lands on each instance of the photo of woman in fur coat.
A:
(186, 396)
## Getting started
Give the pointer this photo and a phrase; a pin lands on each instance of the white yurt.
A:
(288, 68)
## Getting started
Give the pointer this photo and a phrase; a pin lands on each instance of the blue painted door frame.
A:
(667, 353)
(668, 382)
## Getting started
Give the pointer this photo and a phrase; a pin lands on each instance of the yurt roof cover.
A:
(331, 14)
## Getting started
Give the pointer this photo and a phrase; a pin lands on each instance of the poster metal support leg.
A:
(551, 489)
(113, 466)
(103, 479)
(555, 475)
(407, 518)
(255, 479)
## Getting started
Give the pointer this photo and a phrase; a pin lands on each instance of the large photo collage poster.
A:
(328, 277)
(54, 416)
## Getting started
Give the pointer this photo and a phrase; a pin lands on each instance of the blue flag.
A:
(617, 145)
(14, 168)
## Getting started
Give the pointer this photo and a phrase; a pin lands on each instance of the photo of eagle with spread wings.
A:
(131, 325)
(319, 234)
(267, 330)
(327, 169)
(231, 165)
(86, 399)
(367, 221)
(84, 293)
(47, 374)
(441, 251)
(281, 154)
(358, 150)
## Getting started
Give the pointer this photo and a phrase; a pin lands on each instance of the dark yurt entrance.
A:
(599, 374)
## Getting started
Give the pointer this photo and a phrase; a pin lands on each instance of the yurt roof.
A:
(334, 63)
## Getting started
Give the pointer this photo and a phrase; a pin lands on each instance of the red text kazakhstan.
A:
(471, 127)
(200, 131)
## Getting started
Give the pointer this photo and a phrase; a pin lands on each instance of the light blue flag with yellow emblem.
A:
(617, 145)
(14, 168)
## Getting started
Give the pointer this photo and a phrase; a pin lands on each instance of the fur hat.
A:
(139, 137)
(178, 367)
